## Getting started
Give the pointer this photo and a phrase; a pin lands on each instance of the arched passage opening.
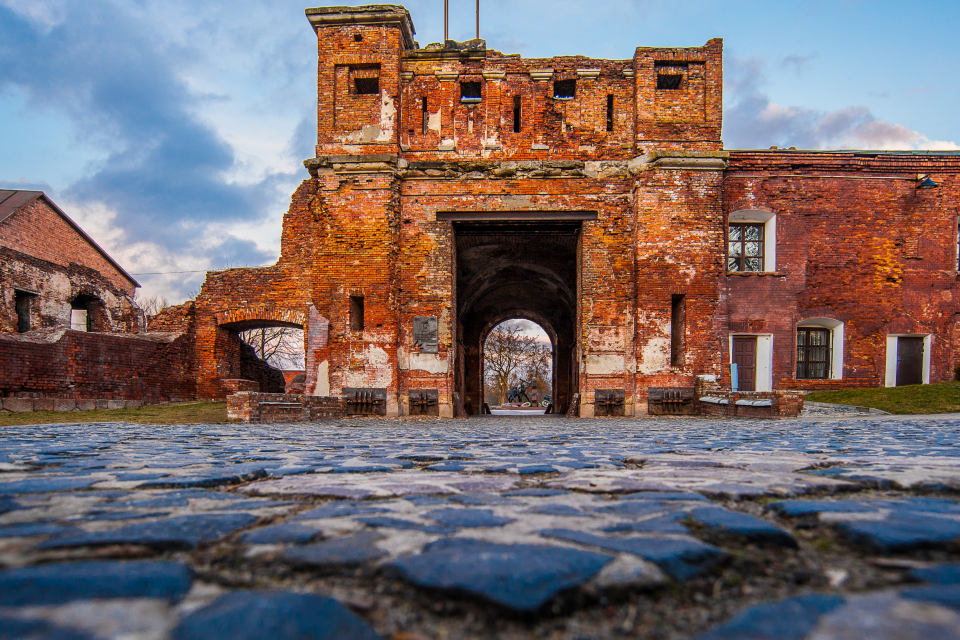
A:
(525, 269)
(268, 351)
(517, 364)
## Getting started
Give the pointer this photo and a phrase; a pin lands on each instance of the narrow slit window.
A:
(22, 302)
(356, 313)
(470, 92)
(424, 116)
(669, 81)
(565, 89)
(678, 328)
(609, 112)
(516, 114)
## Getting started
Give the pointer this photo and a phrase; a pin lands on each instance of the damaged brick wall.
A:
(149, 367)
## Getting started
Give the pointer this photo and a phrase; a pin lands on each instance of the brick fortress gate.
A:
(455, 187)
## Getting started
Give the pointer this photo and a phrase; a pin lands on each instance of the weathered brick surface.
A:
(250, 406)
(61, 363)
(400, 172)
(856, 242)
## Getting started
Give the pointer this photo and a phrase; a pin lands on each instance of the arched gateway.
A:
(454, 186)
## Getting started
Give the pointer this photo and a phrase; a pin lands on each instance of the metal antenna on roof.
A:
(446, 20)
(478, 19)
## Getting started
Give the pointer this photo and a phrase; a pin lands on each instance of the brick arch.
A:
(260, 315)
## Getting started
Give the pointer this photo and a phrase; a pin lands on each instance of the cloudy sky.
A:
(173, 131)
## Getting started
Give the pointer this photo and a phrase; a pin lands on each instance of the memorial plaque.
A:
(425, 333)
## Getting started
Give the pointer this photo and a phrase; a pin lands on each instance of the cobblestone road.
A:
(509, 527)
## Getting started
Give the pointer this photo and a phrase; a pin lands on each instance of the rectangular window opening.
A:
(365, 80)
(356, 313)
(609, 112)
(516, 114)
(678, 329)
(565, 89)
(669, 80)
(366, 86)
(22, 302)
(813, 353)
(745, 247)
(79, 320)
(424, 116)
(470, 92)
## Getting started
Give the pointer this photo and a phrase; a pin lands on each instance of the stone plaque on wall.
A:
(425, 333)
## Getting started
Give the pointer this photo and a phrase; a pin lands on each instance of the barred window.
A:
(745, 247)
(813, 353)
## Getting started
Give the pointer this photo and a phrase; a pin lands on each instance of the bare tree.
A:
(150, 305)
(538, 367)
(280, 347)
(509, 354)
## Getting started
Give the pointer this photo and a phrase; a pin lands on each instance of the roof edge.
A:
(77, 228)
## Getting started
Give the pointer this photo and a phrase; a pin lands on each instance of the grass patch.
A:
(184, 413)
(942, 397)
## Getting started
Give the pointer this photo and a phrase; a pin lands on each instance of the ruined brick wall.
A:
(857, 242)
(54, 287)
(417, 150)
(150, 367)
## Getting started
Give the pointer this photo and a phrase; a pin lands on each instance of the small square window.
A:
(669, 80)
(565, 89)
(470, 92)
(365, 80)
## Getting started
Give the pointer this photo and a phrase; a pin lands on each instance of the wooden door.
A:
(909, 360)
(745, 357)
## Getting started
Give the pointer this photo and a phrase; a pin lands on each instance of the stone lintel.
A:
(588, 73)
(389, 15)
(494, 75)
(689, 160)
(541, 74)
(446, 76)
(360, 163)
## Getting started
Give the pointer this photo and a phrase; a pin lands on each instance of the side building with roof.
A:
(71, 334)
(55, 275)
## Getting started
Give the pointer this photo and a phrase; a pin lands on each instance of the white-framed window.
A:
(819, 349)
(908, 359)
(752, 240)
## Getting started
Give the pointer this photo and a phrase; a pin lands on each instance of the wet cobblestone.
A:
(821, 527)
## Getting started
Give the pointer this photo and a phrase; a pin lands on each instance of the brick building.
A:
(455, 187)
(71, 334)
(55, 275)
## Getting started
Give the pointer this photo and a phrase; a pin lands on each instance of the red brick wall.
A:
(856, 242)
(75, 364)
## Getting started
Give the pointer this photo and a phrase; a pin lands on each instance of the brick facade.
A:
(48, 268)
(458, 185)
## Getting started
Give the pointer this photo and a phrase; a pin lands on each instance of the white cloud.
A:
(753, 120)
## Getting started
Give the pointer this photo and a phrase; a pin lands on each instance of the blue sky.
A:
(174, 131)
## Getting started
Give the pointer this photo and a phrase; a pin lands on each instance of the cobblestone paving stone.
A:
(821, 527)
